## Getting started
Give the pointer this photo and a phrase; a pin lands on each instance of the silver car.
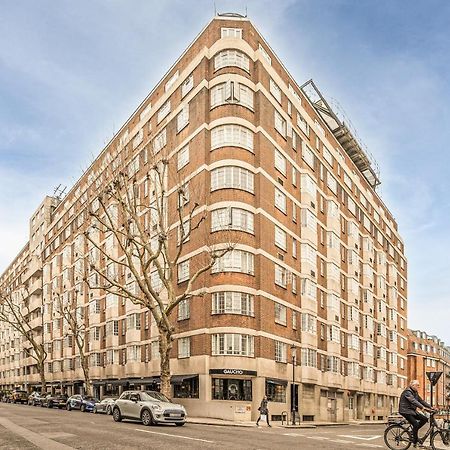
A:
(150, 407)
(105, 406)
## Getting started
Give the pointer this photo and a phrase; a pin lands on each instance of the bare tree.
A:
(14, 311)
(150, 266)
(74, 320)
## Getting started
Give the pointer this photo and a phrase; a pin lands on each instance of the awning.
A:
(178, 379)
(276, 381)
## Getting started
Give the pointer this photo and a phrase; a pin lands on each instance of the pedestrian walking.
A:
(263, 412)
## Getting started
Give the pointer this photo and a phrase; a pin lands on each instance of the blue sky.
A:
(72, 72)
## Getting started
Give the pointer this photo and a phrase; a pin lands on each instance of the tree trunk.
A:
(87, 380)
(41, 370)
(165, 346)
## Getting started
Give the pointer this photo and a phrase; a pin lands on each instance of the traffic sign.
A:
(434, 377)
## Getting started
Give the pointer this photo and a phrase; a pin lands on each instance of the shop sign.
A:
(251, 373)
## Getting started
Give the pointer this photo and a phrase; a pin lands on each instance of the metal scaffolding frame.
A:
(344, 132)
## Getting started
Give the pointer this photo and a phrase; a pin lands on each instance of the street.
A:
(27, 427)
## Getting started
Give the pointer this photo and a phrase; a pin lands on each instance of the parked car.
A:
(150, 407)
(55, 401)
(105, 406)
(18, 396)
(33, 398)
(85, 403)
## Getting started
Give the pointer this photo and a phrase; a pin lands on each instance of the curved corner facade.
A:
(310, 308)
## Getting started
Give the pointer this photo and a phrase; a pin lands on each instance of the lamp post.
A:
(293, 396)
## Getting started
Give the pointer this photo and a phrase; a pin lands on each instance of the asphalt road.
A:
(27, 427)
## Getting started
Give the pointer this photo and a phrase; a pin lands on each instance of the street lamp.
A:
(293, 396)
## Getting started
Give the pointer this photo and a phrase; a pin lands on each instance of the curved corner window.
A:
(231, 136)
(233, 177)
(232, 58)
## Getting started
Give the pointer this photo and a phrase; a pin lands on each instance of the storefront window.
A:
(231, 389)
(188, 388)
(276, 390)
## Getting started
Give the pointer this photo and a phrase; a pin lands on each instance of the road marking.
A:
(293, 434)
(175, 436)
(35, 438)
(369, 445)
(341, 441)
(362, 438)
(318, 438)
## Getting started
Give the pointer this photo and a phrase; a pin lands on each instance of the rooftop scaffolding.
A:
(344, 132)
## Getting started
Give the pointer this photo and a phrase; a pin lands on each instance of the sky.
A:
(71, 73)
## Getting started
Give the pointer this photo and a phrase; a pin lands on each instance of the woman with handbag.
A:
(263, 412)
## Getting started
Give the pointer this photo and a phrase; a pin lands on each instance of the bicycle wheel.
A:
(440, 440)
(397, 438)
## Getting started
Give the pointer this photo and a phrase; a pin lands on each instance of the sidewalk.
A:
(230, 423)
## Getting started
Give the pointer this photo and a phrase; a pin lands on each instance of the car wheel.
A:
(95, 410)
(68, 407)
(180, 424)
(83, 408)
(146, 418)
(108, 410)
(116, 415)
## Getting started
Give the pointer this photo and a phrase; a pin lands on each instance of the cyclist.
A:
(410, 402)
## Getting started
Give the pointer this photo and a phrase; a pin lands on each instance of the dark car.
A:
(18, 396)
(55, 401)
(105, 406)
(85, 403)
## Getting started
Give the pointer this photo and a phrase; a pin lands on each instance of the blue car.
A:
(85, 403)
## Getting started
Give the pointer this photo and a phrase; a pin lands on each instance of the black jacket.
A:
(410, 400)
(263, 408)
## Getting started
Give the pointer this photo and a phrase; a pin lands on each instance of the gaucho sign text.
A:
(251, 373)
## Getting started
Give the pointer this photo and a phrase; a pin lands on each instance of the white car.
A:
(150, 407)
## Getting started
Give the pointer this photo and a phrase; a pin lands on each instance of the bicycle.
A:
(398, 436)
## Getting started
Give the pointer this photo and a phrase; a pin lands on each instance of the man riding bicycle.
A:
(410, 402)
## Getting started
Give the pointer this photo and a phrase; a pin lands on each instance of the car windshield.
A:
(153, 395)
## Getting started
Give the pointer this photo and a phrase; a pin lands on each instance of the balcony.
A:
(35, 286)
(35, 302)
(35, 323)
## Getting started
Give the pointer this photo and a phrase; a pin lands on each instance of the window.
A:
(333, 364)
(328, 156)
(280, 124)
(308, 155)
(232, 344)
(232, 303)
(231, 33)
(275, 90)
(308, 357)
(133, 353)
(309, 323)
(183, 271)
(227, 58)
(280, 162)
(276, 390)
(280, 351)
(280, 313)
(307, 185)
(183, 118)
(163, 111)
(183, 195)
(184, 347)
(232, 218)
(187, 85)
(231, 389)
(231, 92)
(235, 261)
(231, 136)
(171, 81)
(232, 177)
(160, 141)
(183, 157)
(280, 238)
(281, 275)
(332, 183)
(280, 200)
(302, 124)
(184, 310)
(308, 219)
(138, 138)
(265, 54)
(186, 388)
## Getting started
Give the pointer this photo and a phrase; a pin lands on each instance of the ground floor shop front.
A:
(235, 394)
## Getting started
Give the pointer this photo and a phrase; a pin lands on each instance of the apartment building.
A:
(310, 307)
(429, 354)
